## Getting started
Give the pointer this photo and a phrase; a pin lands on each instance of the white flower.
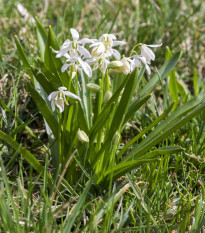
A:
(139, 61)
(78, 64)
(129, 65)
(101, 62)
(76, 44)
(147, 52)
(126, 65)
(58, 98)
(105, 44)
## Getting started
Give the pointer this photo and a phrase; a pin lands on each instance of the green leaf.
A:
(123, 167)
(48, 54)
(21, 53)
(195, 82)
(42, 36)
(102, 118)
(163, 72)
(170, 125)
(53, 79)
(45, 110)
(184, 92)
(25, 153)
(145, 130)
(71, 218)
(134, 106)
(52, 63)
(124, 103)
(172, 82)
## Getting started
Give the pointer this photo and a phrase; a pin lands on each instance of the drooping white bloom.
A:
(99, 62)
(126, 65)
(76, 44)
(148, 53)
(105, 44)
(129, 65)
(58, 98)
(78, 64)
(139, 61)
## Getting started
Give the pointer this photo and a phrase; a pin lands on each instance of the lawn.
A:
(102, 116)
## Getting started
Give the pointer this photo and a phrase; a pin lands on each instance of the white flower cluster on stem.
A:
(102, 51)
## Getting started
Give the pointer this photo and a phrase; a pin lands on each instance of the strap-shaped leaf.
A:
(170, 125)
(123, 167)
(71, 218)
(44, 109)
(145, 130)
(25, 153)
(42, 36)
(21, 53)
(163, 72)
(52, 63)
(135, 105)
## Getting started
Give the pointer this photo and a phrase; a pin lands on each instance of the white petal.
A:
(154, 45)
(75, 34)
(66, 44)
(116, 43)
(109, 52)
(91, 60)
(95, 44)
(116, 54)
(86, 41)
(60, 105)
(132, 65)
(70, 94)
(53, 95)
(62, 52)
(137, 61)
(87, 69)
(53, 105)
(62, 88)
(83, 51)
(147, 53)
(64, 67)
(148, 69)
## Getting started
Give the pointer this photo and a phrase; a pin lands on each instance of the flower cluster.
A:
(102, 51)
(78, 58)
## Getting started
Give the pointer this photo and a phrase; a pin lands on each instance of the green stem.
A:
(59, 138)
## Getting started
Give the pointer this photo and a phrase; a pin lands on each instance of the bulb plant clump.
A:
(87, 92)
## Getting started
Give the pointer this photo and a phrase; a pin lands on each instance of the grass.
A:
(163, 196)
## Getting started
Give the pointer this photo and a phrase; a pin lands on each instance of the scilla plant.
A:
(87, 92)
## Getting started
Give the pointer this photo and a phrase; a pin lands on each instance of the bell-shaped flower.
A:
(100, 62)
(105, 44)
(148, 53)
(76, 44)
(78, 64)
(58, 98)
(139, 61)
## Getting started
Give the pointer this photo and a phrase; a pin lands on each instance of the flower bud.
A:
(93, 87)
(116, 138)
(115, 65)
(107, 96)
(82, 136)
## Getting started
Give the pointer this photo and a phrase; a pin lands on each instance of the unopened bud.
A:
(93, 87)
(107, 96)
(115, 65)
(116, 138)
(82, 136)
